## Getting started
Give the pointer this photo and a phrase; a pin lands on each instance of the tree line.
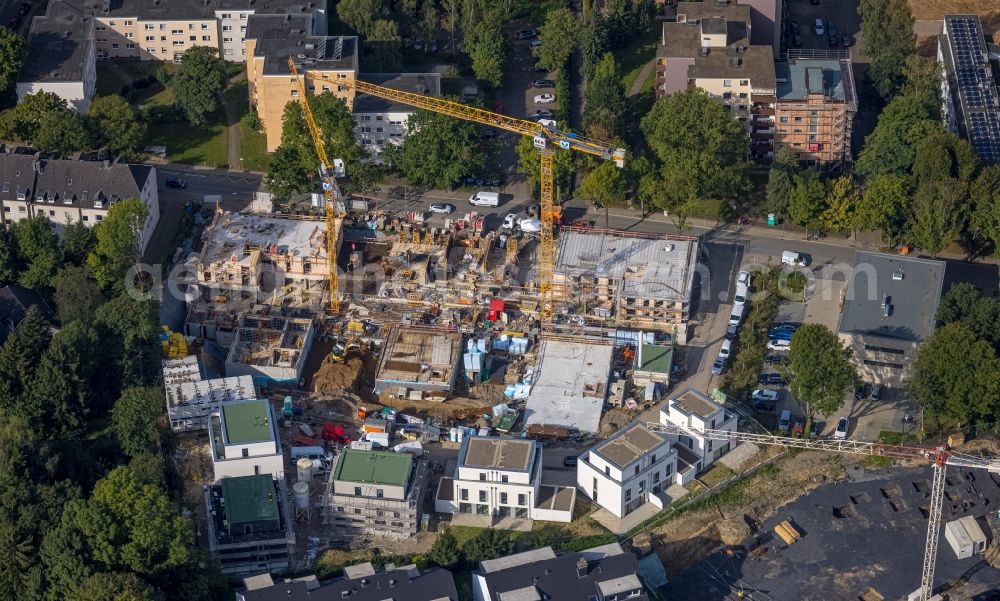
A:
(89, 496)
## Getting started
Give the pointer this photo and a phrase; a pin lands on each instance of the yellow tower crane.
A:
(331, 192)
(545, 139)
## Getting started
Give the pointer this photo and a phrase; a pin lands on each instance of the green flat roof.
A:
(374, 467)
(246, 421)
(657, 358)
(250, 499)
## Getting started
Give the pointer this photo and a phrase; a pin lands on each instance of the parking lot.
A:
(842, 14)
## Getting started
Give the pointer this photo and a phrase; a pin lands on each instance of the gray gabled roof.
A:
(403, 583)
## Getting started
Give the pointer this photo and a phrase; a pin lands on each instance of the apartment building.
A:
(191, 399)
(249, 526)
(605, 573)
(374, 493)
(74, 191)
(627, 470)
(708, 47)
(322, 61)
(383, 122)
(970, 102)
(499, 478)
(696, 412)
(361, 582)
(161, 30)
(815, 108)
(244, 441)
(60, 57)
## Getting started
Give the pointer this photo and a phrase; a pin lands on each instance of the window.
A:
(482, 496)
(379, 493)
(366, 117)
(708, 446)
(628, 494)
(128, 36)
(884, 349)
(112, 23)
(782, 119)
(227, 15)
(130, 46)
(727, 83)
(101, 28)
(522, 499)
(177, 32)
(178, 42)
(114, 46)
(357, 491)
(243, 29)
(163, 26)
(246, 452)
(813, 129)
(656, 476)
(482, 475)
(326, 88)
(463, 494)
(206, 38)
(190, 26)
(85, 217)
(744, 82)
(243, 17)
(193, 38)
(503, 477)
(883, 364)
(341, 76)
(357, 511)
(503, 498)
(380, 142)
(150, 38)
(128, 23)
(607, 471)
(227, 28)
(637, 470)
(295, 93)
(149, 27)
(642, 485)
(378, 117)
(228, 51)
(204, 26)
(163, 38)
(227, 40)
(652, 458)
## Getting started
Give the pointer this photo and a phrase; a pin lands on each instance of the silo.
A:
(301, 490)
(305, 469)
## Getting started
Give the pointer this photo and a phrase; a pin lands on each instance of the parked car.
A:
(861, 392)
(797, 41)
(545, 98)
(539, 69)
(763, 405)
(784, 422)
(535, 44)
(743, 278)
(794, 27)
(842, 425)
(776, 359)
(726, 349)
(531, 226)
(772, 378)
(765, 394)
(818, 27)
(742, 292)
(847, 41)
(780, 346)
(176, 183)
(510, 221)
(541, 114)
(543, 83)
(792, 258)
(524, 34)
(834, 41)
(442, 207)
(877, 391)
(736, 317)
(571, 460)
(719, 366)
(732, 332)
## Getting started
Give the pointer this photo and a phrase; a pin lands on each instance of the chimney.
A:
(581, 568)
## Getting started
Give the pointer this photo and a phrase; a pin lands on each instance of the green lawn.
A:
(206, 145)
(631, 58)
(253, 149)
(154, 94)
(138, 69)
(108, 83)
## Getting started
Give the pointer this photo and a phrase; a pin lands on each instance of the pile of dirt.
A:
(926, 10)
(356, 374)
(695, 535)
(464, 409)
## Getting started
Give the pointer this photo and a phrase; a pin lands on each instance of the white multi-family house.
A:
(243, 436)
(696, 412)
(627, 470)
(501, 478)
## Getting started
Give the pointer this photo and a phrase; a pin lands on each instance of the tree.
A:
(488, 544)
(808, 200)
(59, 394)
(884, 203)
(117, 246)
(430, 19)
(19, 357)
(201, 79)
(922, 81)
(385, 46)
(942, 155)
(965, 303)
(891, 147)
(139, 421)
(452, 16)
(603, 184)
(594, 42)
(529, 165)
(559, 37)
(984, 195)
(9, 260)
(360, 15)
(130, 334)
(77, 295)
(438, 150)
(781, 181)
(956, 377)
(936, 214)
(286, 175)
(27, 114)
(887, 28)
(115, 586)
(11, 56)
(703, 151)
(842, 202)
(605, 111)
(444, 552)
(116, 125)
(38, 248)
(821, 369)
(486, 45)
(62, 132)
(78, 241)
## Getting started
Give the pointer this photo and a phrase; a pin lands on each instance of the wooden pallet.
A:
(787, 532)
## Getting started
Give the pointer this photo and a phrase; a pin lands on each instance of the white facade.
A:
(697, 412)
(232, 458)
(151, 198)
(506, 484)
(232, 34)
(621, 473)
(377, 130)
(77, 94)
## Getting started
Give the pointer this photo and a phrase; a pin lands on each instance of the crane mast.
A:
(543, 137)
(938, 456)
(331, 192)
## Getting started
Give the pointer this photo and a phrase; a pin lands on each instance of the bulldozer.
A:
(340, 349)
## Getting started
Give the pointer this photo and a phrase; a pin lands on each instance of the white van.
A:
(737, 315)
(485, 199)
(792, 258)
(310, 452)
(741, 294)
(784, 422)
